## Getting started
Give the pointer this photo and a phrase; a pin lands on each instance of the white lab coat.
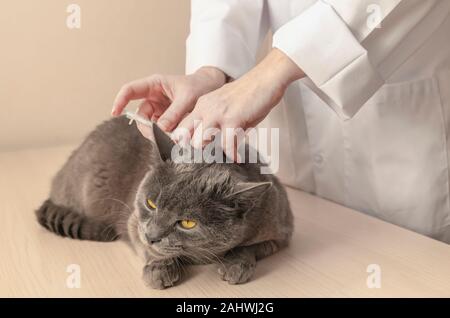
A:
(369, 127)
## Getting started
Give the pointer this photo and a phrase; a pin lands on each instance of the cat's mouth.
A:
(159, 249)
(166, 250)
(156, 250)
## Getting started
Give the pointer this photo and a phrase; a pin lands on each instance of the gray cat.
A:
(118, 184)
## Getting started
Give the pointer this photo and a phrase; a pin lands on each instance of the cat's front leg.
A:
(239, 263)
(162, 273)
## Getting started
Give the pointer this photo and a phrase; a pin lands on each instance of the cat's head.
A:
(194, 210)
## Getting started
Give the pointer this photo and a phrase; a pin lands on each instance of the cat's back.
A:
(114, 141)
(118, 136)
(114, 154)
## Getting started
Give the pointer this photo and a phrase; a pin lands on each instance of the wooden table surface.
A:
(329, 255)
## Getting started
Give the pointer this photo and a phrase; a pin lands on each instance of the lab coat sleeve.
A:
(225, 34)
(327, 42)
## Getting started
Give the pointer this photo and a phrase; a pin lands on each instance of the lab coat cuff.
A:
(219, 47)
(323, 46)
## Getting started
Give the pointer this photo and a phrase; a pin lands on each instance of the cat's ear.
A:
(251, 188)
(246, 195)
(163, 142)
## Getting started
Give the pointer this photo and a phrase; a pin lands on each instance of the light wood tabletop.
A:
(331, 252)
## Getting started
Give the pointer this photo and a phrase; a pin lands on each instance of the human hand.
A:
(167, 99)
(240, 104)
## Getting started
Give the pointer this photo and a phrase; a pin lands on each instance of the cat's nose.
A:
(152, 239)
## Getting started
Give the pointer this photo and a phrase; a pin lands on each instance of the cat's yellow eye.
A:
(150, 204)
(188, 224)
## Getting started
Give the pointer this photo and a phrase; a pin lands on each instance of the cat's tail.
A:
(66, 222)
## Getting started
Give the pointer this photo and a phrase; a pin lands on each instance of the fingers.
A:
(134, 90)
(198, 132)
(231, 139)
(204, 133)
(183, 133)
(145, 110)
(173, 115)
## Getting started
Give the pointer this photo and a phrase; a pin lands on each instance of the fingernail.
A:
(163, 124)
(197, 143)
(181, 137)
(238, 157)
(177, 135)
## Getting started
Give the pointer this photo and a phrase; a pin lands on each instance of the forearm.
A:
(271, 77)
(279, 68)
(216, 77)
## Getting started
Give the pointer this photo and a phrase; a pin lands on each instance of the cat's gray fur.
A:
(100, 194)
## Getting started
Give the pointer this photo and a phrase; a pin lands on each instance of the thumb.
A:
(174, 113)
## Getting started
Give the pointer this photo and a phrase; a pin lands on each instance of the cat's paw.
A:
(237, 271)
(160, 274)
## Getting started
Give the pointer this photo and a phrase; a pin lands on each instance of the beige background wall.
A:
(56, 83)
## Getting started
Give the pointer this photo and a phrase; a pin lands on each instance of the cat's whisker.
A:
(180, 267)
(217, 258)
(202, 255)
(107, 231)
(115, 200)
(193, 258)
